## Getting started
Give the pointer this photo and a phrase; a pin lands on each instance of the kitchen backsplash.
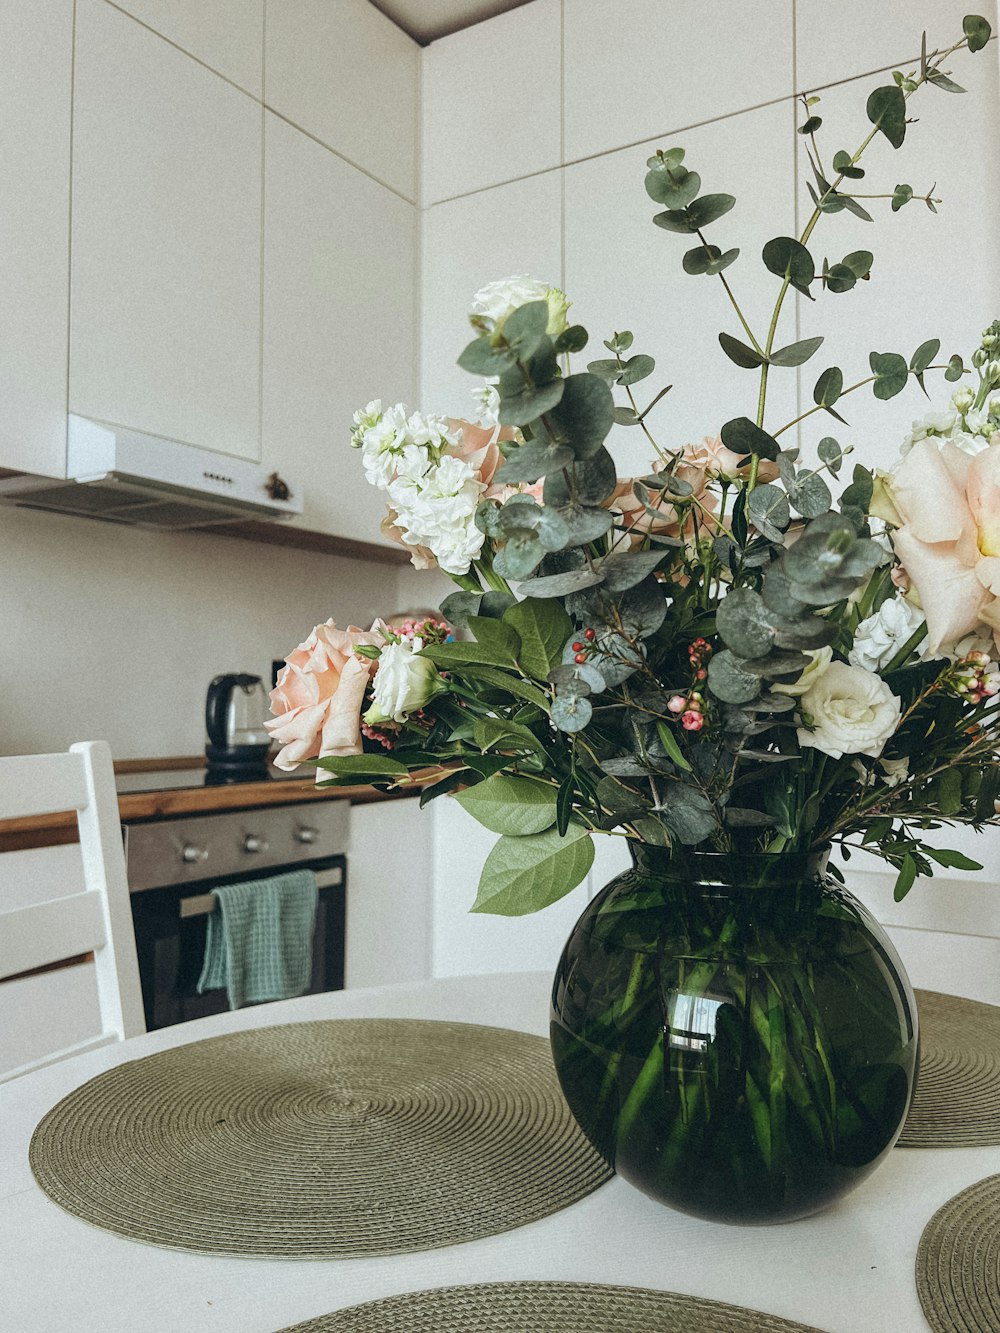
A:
(113, 633)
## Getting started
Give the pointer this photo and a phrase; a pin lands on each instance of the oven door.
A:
(174, 866)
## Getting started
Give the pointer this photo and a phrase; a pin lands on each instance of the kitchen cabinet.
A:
(166, 244)
(389, 871)
(339, 316)
(36, 38)
(622, 272)
(345, 74)
(471, 141)
(226, 35)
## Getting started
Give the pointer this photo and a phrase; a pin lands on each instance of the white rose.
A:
(497, 300)
(404, 683)
(821, 659)
(879, 637)
(850, 711)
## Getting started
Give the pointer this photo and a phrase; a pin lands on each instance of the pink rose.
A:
(948, 540)
(319, 694)
(713, 459)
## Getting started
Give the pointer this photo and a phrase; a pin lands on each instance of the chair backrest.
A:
(97, 921)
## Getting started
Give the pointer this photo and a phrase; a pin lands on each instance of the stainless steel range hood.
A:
(124, 476)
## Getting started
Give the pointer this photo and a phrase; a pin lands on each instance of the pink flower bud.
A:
(692, 721)
(677, 704)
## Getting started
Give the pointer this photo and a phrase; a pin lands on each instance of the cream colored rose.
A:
(404, 683)
(848, 711)
(317, 699)
(497, 300)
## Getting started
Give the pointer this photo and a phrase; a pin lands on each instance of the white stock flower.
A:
(497, 300)
(963, 397)
(879, 638)
(404, 683)
(849, 711)
(437, 510)
(487, 399)
(392, 442)
(821, 659)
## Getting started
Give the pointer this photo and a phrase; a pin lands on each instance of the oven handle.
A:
(201, 904)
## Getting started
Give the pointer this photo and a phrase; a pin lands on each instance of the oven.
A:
(173, 866)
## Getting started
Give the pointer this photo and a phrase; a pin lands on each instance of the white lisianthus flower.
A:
(821, 659)
(497, 300)
(404, 683)
(437, 510)
(848, 711)
(487, 401)
(879, 637)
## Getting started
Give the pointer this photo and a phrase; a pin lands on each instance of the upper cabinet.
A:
(225, 35)
(339, 321)
(36, 41)
(345, 74)
(166, 240)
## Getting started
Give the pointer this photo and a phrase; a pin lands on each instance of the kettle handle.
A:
(217, 701)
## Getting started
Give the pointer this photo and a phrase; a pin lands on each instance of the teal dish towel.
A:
(258, 943)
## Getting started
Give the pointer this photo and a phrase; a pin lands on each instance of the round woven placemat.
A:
(958, 1262)
(323, 1140)
(547, 1307)
(957, 1101)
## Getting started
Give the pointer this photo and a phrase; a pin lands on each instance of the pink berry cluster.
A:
(429, 630)
(374, 734)
(691, 706)
(976, 678)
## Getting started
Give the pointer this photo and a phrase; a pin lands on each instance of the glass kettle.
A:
(236, 707)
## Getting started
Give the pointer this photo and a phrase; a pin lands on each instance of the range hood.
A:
(124, 476)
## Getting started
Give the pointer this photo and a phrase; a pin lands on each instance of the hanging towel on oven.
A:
(259, 940)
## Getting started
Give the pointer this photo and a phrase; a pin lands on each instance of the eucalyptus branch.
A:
(735, 304)
(821, 407)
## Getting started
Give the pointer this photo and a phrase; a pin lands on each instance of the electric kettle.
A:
(235, 709)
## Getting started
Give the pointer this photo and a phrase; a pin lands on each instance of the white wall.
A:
(113, 633)
(550, 182)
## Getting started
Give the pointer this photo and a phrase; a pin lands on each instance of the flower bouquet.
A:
(743, 655)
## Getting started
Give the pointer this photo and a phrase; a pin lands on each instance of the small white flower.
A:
(821, 659)
(404, 683)
(969, 444)
(879, 638)
(963, 398)
(487, 401)
(437, 510)
(848, 711)
(894, 771)
(497, 300)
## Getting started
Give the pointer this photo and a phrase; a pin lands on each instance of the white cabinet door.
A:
(389, 894)
(347, 75)
(36, 38)
(339, 321)
(467, 942)
(227, 35)
(166, 246)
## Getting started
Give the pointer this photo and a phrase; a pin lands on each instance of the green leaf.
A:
(464, 653)
(637, 368)
(572, 339)
(530, 402)
(709, 208)
(669, 742)
(523, 875)
(708, 259)
(744, 437)
(514, 806)
(362, 766)
(729, 682)
(925, 354)
(482, 358)
(796, 354)
(810, 495)
(901, 195)
(571, 712)
(977, 30)
(688, 814)
(672, 185)
(788, 258)
(904, 880)
(743, 624)
(560, 585)
(564, 804)
(626, 416)
(584, 415)
(954, 860)
(767, 510)
(490, 675)
(488, 732)
(543, 628)
(811, 125)
(588, 482)
(532, 461)
(956, 369)
(497, 636)
(891, 373)
(942, 81)
(739, 352)
(829, 387)
(886, 109)
(854, 207)
(458, 606)
(524, 328)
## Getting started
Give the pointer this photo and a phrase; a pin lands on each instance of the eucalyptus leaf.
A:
(829, 387)
(520, 555)
(532, 461)
(809, 495)
(796, 354)
(624, 569)
(524, 328)
(584, 415)
(925, 354)
(529, 403)
(891, 373)
(728, 680)
(571, 713)
(788, 258)
(626, 416)
(523, 875)
(886, 109)
(744, 437)
(739, 353)
(572, 339)
(829, 450)
(688, 814)
(839, 279)
(743, 625)
(942, 81)
(637, 368)
(482, 358)
(672, 185)
(586, 481)
(708, 259)
(560, 585)
(767, 509)
(956, 369)
(457, 607)
(977, 30)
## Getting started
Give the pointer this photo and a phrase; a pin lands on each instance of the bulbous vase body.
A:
(736, 1035)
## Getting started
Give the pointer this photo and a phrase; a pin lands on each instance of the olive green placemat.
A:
(328, 1139)
(957, 1101)
(958, 1262)
(547, 1307)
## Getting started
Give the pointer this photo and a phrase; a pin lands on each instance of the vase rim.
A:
(728, 866)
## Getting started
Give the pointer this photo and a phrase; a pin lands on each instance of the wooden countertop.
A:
(50, 830)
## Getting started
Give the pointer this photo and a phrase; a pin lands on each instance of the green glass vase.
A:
(736, 1035)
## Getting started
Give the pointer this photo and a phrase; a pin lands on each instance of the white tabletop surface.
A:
(846, 1270)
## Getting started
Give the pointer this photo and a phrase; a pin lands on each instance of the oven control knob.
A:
(305, 834)
(191, 853)
(251, 843)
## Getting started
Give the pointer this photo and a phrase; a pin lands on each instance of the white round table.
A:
(847, 1269)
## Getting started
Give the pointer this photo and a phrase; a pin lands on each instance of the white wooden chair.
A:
(97, 921)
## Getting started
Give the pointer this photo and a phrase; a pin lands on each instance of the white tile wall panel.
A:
(228, 35)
